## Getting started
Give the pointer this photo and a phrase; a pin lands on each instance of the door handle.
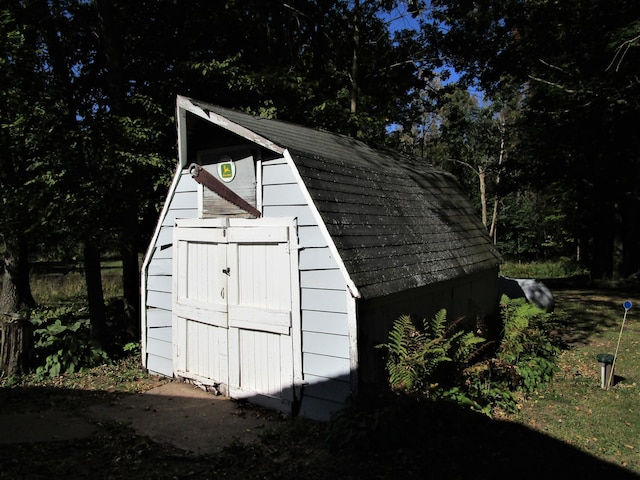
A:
(226, 271)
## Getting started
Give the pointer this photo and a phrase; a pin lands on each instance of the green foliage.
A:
(426, 359)
(528, 343)
(131, 347)
(575, 64)
(560, 268)
(438, 362)
(63, 342)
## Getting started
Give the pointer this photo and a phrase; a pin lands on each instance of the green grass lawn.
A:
(574, 408)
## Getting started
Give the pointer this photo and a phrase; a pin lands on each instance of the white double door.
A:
(235, 306)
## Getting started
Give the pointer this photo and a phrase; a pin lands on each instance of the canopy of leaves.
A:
(575, 63)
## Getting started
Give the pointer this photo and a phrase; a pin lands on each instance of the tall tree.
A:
(24, 116)
(474, 141)
(580, 103)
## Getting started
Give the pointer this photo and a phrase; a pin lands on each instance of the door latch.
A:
(226, 271)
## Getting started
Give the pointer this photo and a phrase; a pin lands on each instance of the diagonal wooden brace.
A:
(203, 177)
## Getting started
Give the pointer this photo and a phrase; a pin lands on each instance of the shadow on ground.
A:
(147, 436)
(446, 441)
(584, 311)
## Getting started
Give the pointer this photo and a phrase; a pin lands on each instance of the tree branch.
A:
(621, 51)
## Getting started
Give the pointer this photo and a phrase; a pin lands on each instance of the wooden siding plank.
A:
(323, 300)
(319, 409)
(311, 236)
(317, 259)
(327, 367)
(162, 266)
(186, 183)
(172, 215)
(319, 387)
(159, 283)
(163, 251)
(160, 333)
(301, 212)
(184, 200)
(158, 317)
(159, 348)
(325, 322)
(323, 279)
(324, 344)
(165, 236)
(159, 300)
(160, 365)
(277, 174)
(288, 194)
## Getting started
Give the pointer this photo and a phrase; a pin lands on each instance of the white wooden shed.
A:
(283, 255)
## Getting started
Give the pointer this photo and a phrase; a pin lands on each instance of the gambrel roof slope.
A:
(397, 222)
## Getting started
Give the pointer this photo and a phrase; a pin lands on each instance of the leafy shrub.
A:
(528, 344)
(434, 361)
(62, 341)
(429, 359)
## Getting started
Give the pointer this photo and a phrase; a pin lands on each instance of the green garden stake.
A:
(627, 306)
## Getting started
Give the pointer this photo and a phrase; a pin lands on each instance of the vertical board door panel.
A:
(263, 287)
(260, 369)
(261, 313)
(207, 353)
(233, 309)
(200, 305)
(201, 282)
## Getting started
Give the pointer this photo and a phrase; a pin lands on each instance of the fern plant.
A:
(528, 343)
(436, 360)
(424, 358)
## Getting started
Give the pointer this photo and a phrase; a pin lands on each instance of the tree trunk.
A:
(501, 158)
(482, 176)
(130, 273)
(95, 294)
(16, 289)
(493, 230)
(16, 340)
(354, 66)
(111, 41)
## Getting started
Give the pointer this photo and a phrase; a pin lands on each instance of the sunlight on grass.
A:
(574, 408)
(61, 288)
(552, 269)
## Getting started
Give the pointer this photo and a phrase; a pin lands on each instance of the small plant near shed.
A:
(434, 361)
(63, 342)
(431, 359)
(528, 344)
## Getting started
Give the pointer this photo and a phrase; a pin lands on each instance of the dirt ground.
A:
(174, 413)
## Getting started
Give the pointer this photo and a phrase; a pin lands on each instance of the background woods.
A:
(536, 117)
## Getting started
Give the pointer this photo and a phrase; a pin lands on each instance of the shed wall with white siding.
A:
(157, 293)
(326, 360)
(324, 309)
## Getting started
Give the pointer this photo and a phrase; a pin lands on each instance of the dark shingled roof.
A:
(397, 222)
